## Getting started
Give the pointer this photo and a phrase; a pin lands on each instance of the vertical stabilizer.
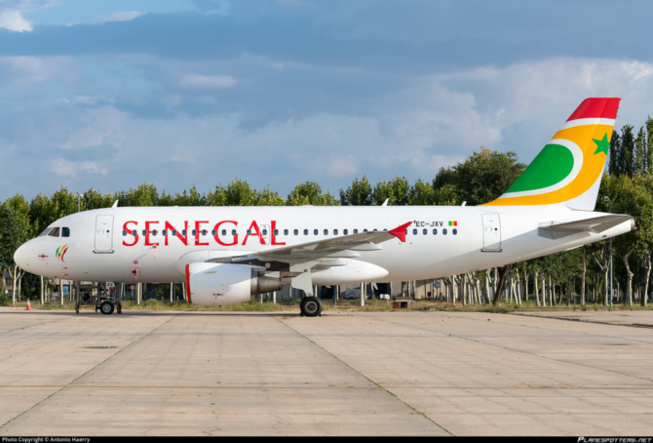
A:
(569, 168)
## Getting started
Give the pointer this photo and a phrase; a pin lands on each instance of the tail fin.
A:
(569, 168)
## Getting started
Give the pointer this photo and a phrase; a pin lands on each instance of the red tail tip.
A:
(597, 107)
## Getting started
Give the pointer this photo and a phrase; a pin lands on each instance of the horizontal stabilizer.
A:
(594, 225)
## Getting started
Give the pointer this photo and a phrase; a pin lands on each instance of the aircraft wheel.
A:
(311, 306)
(107, 308)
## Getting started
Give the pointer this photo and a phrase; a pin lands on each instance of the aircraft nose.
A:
(22, 256)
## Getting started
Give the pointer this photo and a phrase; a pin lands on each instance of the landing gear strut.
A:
(311, 306)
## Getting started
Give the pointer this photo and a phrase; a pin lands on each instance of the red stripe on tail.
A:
(603, 107)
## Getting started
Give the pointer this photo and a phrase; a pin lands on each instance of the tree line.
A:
(578, 276)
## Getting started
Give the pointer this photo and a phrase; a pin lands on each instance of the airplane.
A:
(226, 255)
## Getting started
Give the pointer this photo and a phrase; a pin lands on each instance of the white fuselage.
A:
(137, 244)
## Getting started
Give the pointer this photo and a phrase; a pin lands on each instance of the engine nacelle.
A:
(215, 284)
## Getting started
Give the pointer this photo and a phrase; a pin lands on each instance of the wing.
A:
(346, 246)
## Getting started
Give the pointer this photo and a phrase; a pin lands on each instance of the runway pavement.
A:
(394, 373)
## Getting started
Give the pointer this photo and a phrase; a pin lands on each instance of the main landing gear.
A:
(311, 306)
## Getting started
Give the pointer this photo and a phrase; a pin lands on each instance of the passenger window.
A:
(425, 231)
(345, 231)
(305, 231)
(444, 232)
(455, 232)
(314, 231)
(295, 232)
(435, 232)
(335, 232)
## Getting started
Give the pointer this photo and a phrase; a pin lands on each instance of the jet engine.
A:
(216, 284)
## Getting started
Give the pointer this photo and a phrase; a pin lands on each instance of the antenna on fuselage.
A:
(115, 204)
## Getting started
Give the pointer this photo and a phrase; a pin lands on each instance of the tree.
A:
(190, 198)
(622, 147)
(267, 197)
(421, 193)
(395, 192)
(631, 196)
(358, 194)
(236, 193)
(14, 231)
(482, 177)
(310, 193)
(144, 195)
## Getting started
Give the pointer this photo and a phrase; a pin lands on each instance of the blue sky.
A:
(110, 94)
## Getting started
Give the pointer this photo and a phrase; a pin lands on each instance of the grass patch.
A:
(292, 304)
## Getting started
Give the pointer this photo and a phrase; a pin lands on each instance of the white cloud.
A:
(207, 81)
(72, 169)
(13, 20)
(116, 16)
(28, 70)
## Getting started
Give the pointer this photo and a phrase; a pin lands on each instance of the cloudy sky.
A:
(110, 94)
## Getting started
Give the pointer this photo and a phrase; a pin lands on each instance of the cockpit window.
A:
(55, 231)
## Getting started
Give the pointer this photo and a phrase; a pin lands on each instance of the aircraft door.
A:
(104, 234)
(491, 232)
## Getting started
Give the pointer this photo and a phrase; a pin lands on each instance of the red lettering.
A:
(254, 230)
(198, 231)
(129, 232)
(181, 235)
(217, 233)
(148, 231)
(274, 236)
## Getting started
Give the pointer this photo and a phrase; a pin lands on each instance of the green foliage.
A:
(481, 178)
(310, 193)
(395, 191)
(358, 194)
(14, 231)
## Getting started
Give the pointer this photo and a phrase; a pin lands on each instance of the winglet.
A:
(400, 231)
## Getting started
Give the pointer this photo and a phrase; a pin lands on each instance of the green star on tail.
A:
(602, 145)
